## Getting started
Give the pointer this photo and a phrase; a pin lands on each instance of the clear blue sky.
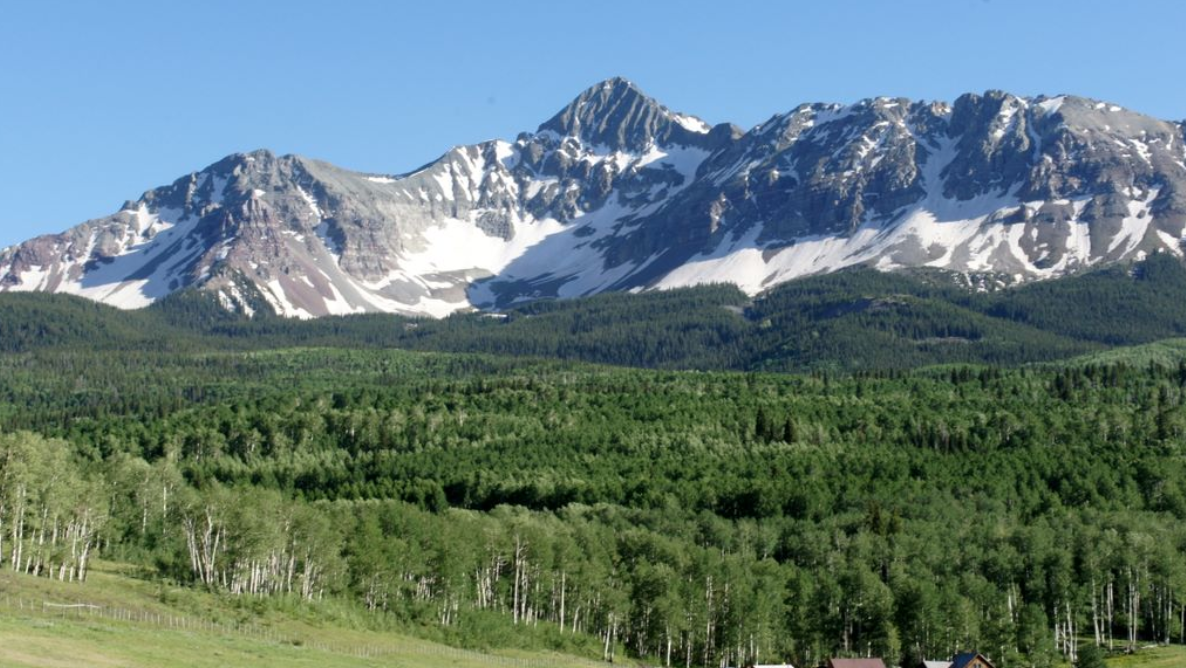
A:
(100, 101)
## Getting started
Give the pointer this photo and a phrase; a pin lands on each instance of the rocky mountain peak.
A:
(616, 114)
(618, 192)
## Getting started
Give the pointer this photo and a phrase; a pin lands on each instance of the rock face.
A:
(617, 192)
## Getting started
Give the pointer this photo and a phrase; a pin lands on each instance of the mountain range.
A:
(616, 192)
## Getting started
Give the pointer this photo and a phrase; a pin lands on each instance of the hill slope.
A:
(851, 320)
(119, 620)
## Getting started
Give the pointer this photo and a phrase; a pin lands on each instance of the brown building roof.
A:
(970, 660)
(856, 663)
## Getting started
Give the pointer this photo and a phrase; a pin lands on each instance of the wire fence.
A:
(85, 611)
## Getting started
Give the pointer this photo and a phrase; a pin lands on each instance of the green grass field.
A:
(139, 623)
(1167, 352)
(135, 623)
(1157, 657)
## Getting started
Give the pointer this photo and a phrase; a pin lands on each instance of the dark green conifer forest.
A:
(927, 480)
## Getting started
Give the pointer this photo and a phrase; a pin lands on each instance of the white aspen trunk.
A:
(533, 613)
(667, 658)
(1058, 644)
(71, 534)
(518, 579)
(1073, 634)
(191, 544)
(311, 576)
(75, 545)
(211, 551)
(1169, 615)
(292, 570)
(207, 556)
(708, 620)
(563, 585)
(3, 509)
(605, 652)
(1132, 611)
(18, 529)
(1095, 615)
(40, 553)
(83, 558)
(1136, 611)
(613, 635)
(1111, 611)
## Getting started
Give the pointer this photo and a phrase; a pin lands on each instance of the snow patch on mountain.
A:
(153, 257)
(961, 235)
(1135, 225)
(692, 123)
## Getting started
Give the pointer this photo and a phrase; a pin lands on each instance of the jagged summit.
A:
(618, 115)
(618, 192)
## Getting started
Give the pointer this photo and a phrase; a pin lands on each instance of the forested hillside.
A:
(857, 320)
(690, 518)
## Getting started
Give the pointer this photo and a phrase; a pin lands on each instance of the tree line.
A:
(850, 321)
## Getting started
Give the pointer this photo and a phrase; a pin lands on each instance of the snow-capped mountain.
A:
(617, 192)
